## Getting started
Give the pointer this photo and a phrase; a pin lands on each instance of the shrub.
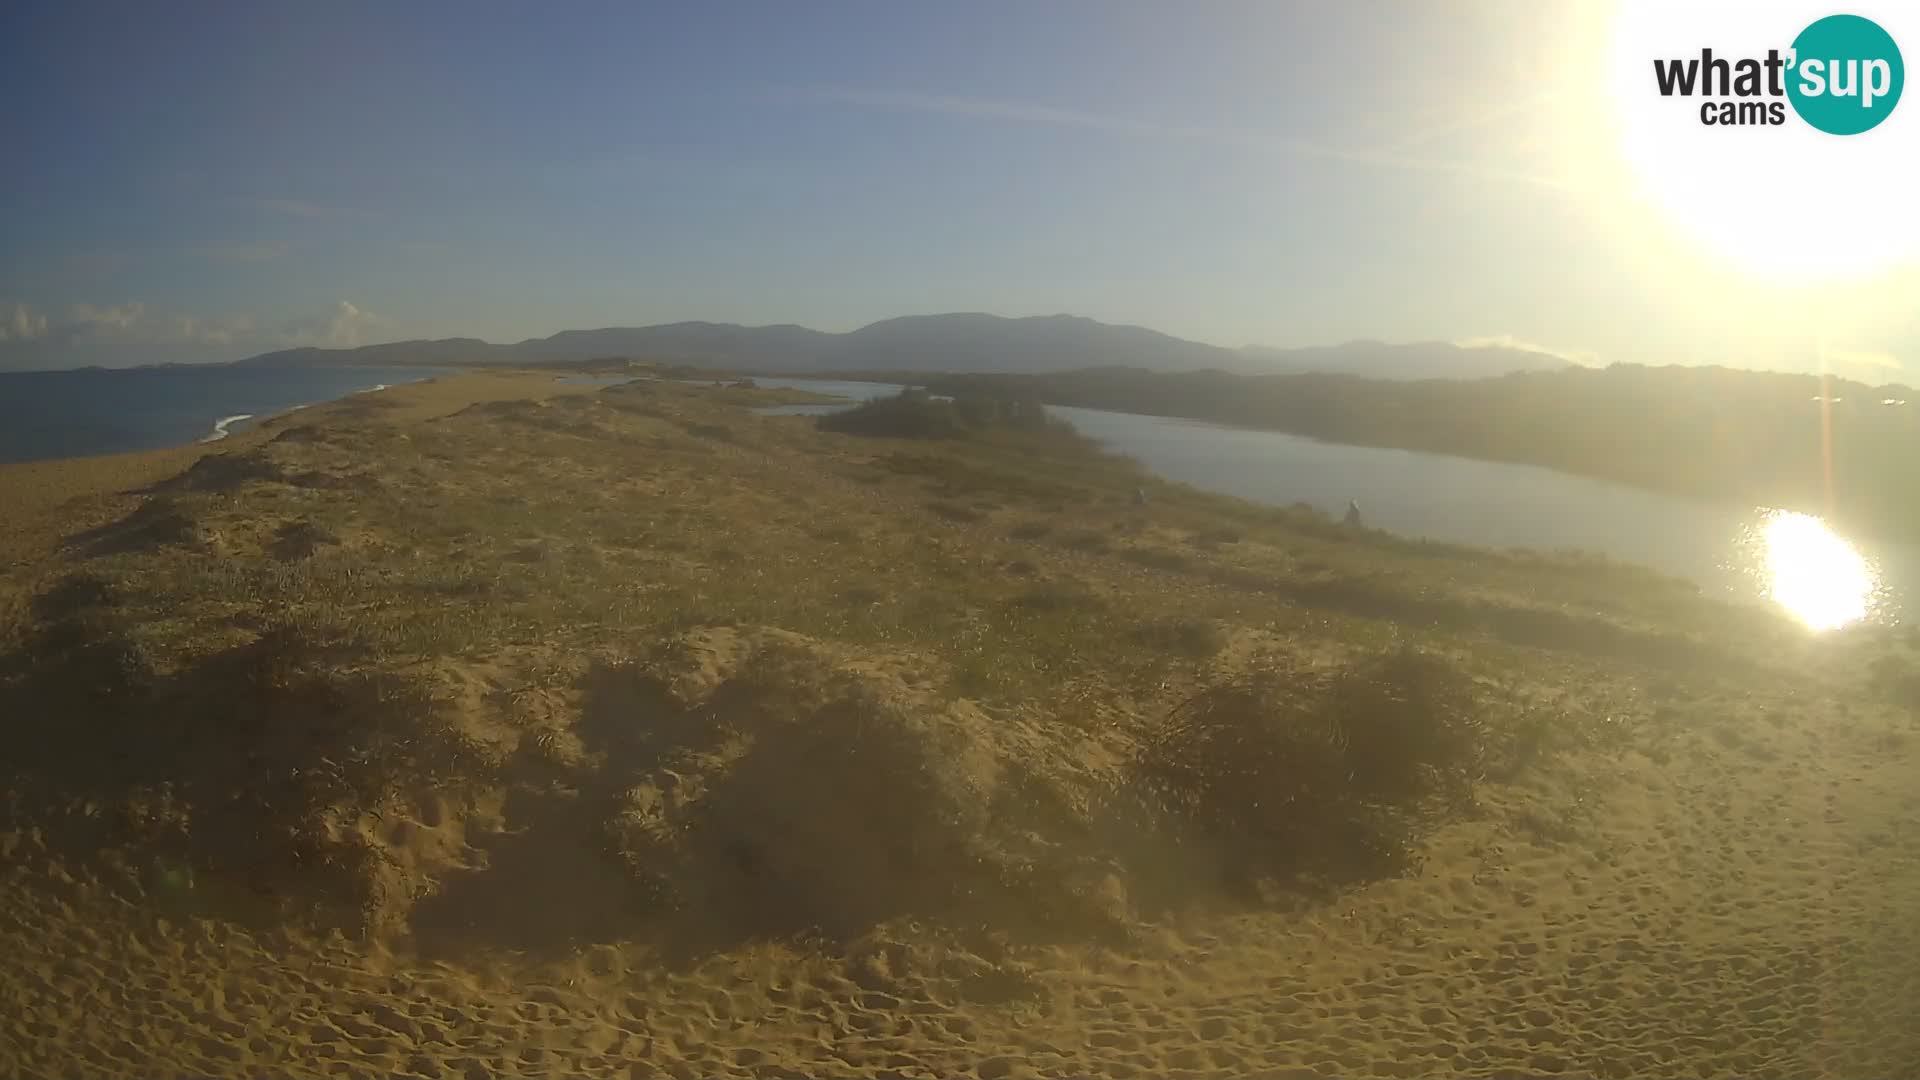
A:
(914, 414)
(860, 596)
(225, 472)
(300, 540)
(795, 797)
(1896, 680)
(1157, 559)
(842, 819)
(951, 477)
(159, 522)
(711, 431)
(1197, 638)
(1215, 537)
(910, 414)
(1311, 777)
(1085, 540)
(1013, 413)
(74, 594)
(261, 762)
(1053, 596)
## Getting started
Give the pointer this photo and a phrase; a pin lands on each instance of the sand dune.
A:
(1731, 925)
(1721, 879)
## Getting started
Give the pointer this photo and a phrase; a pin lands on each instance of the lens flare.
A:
(1817, 576)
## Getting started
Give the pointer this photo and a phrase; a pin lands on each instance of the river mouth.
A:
(1794, 561)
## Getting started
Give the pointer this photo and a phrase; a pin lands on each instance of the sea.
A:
(60, 414)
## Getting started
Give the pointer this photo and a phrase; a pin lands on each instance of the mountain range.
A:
(963, 342)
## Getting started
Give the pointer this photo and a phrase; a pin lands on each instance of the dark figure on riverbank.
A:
(1352, 520)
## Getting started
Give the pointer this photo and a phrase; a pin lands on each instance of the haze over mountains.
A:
(968, 342)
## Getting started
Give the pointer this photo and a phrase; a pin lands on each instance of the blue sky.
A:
(205, 181)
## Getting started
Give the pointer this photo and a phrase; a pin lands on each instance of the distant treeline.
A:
(915, 414)
(1835, 447)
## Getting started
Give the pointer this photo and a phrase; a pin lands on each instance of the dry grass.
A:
(266, 643)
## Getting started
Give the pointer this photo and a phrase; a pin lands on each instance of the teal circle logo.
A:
(1846, 74)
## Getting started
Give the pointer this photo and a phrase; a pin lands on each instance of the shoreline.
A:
(50, 498)
(239, 408)
(223, 425)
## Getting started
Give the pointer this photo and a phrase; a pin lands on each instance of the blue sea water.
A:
(57, 414)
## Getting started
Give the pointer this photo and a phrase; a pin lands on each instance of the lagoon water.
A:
(1738, 551)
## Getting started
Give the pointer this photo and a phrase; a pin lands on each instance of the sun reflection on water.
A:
(1812, 572)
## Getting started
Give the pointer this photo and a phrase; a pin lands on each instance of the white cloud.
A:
(133, 323)
(1508, 341)
(345, 326)
(105, 321)
(21, 323)
(212, 330)
(26, 330)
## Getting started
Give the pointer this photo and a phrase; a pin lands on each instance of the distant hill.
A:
(989, 343)
(391, 354)
(785, 347)
(966, 342)
(1418, 360)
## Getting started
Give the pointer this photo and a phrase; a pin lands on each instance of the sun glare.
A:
(1817, 576)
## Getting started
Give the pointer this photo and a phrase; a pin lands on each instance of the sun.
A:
(1814, 574)
(1782, 202)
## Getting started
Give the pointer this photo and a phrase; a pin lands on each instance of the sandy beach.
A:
(1690, 848)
